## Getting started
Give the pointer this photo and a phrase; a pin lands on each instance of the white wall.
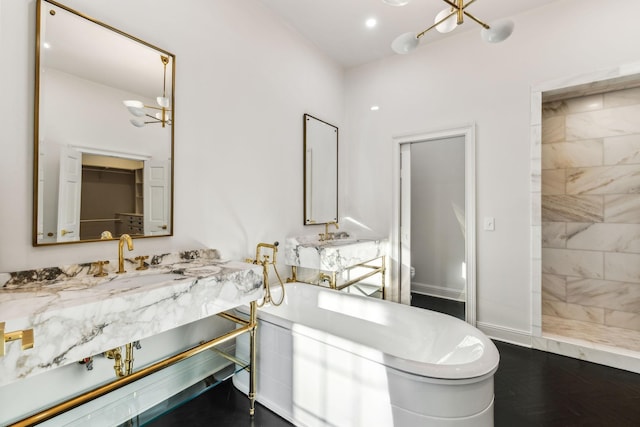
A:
(462, 80)
(243, 82)
(437, 207)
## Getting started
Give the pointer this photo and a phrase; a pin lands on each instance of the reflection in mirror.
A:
(320, 171)
(100, 165)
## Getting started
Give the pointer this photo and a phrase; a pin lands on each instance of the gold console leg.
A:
(252, 354)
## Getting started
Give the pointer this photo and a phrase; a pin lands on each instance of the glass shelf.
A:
(187, 394)
(145, 400)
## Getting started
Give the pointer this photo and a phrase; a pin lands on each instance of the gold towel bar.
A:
(26, 336)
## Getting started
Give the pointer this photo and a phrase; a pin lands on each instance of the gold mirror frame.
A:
(128, 145)
(320, 171)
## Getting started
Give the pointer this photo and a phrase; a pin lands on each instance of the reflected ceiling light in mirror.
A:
(371, 23)
(137, 108)
(375, 108)
(396, 2)
(447, 20)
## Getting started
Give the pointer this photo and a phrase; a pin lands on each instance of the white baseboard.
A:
(438, 291)
(500, 333)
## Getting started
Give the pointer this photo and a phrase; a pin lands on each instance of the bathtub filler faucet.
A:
(327, 235)
(265, 261)
(124, 238)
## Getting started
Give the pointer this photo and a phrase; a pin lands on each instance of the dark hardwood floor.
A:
(535, 388)
(532, 388)
(221, 406)
(441, 305)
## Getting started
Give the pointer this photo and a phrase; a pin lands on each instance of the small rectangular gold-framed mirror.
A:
(320, 171)
(103, 131)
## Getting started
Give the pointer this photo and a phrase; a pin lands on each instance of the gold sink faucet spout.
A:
(327, 235)
(124, 238)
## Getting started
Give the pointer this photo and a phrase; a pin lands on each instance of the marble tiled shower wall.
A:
(591, 218)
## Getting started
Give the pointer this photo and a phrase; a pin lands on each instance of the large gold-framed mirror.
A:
(103, 131)
(320, 171)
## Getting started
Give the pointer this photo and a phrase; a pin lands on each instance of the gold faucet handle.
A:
(101, 272)
(142, 265)
(26, 336)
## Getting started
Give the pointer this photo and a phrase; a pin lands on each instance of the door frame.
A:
(403, 290)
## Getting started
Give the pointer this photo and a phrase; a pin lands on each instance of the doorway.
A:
(436, 225)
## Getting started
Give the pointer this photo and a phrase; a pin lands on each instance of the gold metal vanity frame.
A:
(332, 276)
(249, 326)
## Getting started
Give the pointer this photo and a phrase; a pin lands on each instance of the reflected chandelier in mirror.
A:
(93, 170)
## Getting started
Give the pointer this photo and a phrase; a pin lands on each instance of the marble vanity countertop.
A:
(332, 255)
(76, 315)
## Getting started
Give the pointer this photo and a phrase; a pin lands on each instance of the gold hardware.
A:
(265, 262)
(332, 278)
(142, 265)
(106, 235)
(26, 336)
(273, 247)
(64, 232)
(124, 238)
(101, 272)
(124, 367)
(327, 235)
(294, 275)
(247, 326)
(164, 227)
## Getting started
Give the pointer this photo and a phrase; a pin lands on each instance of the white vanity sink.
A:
(331, 255)
(100, 313)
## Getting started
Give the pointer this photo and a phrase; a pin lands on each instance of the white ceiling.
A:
(100, 54)
(338, 28)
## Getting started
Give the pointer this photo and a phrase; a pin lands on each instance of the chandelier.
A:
(447, 20)
(163, 115)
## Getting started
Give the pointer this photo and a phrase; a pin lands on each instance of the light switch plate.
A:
(489, 223)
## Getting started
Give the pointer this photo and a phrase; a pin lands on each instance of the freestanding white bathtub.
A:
(327, 358)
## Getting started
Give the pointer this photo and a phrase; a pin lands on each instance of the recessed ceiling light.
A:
(371, 22)
(375, 108)
(46, 45)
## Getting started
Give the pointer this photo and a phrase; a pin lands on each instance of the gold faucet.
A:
(327, 235)
(123, 238)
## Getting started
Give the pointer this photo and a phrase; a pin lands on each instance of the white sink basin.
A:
(158, 276)
(133, 281)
